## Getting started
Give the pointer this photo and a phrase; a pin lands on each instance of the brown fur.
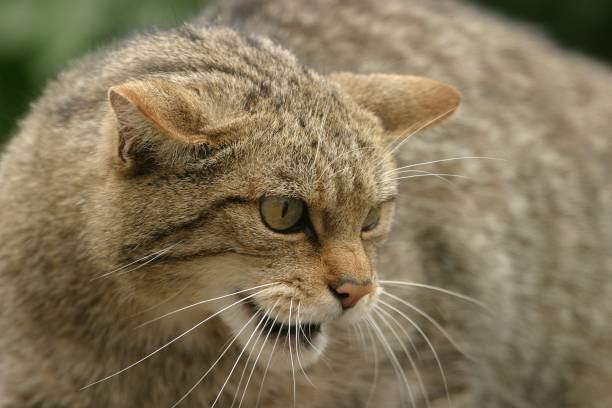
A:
(531, 235)
(90, 185)
(165, 146)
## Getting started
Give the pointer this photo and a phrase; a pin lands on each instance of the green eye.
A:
(371, 220)
(282, 214)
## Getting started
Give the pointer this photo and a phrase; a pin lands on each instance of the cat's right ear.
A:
(404, 104)
(155, 120)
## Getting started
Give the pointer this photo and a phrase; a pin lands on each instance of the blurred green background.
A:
(38, 37)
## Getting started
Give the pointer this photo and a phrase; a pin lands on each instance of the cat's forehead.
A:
(331, 165)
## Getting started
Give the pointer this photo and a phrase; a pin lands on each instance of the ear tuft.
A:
(404, 104)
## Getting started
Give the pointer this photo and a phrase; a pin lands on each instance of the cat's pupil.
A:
(283, 214)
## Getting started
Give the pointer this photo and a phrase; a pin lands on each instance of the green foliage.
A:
(583, 25)
(37, 37)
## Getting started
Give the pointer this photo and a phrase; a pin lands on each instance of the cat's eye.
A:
(371, 220)
(282, 214)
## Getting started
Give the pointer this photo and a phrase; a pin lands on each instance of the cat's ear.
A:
(156, 114)
(404, 104)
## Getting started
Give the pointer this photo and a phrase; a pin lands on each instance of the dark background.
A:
(38, 37)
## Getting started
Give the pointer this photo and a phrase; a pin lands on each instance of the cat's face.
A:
(278, 203)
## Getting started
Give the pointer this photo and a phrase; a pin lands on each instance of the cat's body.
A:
(530, 235)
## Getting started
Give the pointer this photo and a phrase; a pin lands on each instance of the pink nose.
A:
(350, 293)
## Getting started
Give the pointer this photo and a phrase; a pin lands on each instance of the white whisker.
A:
(246, 364)
(431, 347)
(171, 341)
(290, 352)
(201, 302)
(438, 175)
(395, 362)
(263, 318)
(431, 320)
(248, 359)
(440, 161)
(375, 360)
(216, 361)
(405, 332)
(417, 130)
(259, 354)
(263, 380)
(425, 172)
(359, 334)
(297, 345)
(437, 289)
(150, 258)
(424, 392)
(321, 355)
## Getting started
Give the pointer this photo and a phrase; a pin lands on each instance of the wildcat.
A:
(530, 235)
(201, 165)
(193, 200)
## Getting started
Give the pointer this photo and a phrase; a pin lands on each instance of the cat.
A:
(192, 200)
(178, 187)
(529, 235)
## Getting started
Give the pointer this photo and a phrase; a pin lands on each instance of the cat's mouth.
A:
(273, 328)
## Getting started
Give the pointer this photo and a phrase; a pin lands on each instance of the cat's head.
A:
(270, 182)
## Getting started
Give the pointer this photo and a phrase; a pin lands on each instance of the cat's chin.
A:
(275, 344)
(284, 359)
(279, 349)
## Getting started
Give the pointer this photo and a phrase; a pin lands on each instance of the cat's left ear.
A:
(404, 104)
(153, 120)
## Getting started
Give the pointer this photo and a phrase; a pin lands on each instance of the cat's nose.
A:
(349, 293)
